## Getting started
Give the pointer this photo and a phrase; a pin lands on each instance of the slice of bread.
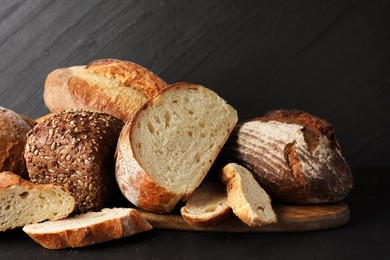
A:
(247, 199)
(166, 149)
(22, 202)
(88, 229)
(207, 206)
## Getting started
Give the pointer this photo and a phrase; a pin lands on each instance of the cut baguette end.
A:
(246, 197)
(88, 229)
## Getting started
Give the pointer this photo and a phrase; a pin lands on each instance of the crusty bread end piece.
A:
(88, 229)
(207, 206)
(22, 202)
(247, 199)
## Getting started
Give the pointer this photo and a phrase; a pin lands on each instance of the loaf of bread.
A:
(13, 130)
(112, 86)
(293, 155)
(76, 149)
(22, 202)
(167, 147)
(207, 206)
(88, 229)
(246, 197)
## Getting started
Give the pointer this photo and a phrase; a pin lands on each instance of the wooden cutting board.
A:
(291, 218)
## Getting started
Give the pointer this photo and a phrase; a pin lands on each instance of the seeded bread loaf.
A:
(167, 147)
(112, 86)
(88, 229)
(207, 206)
(76, 149)
(293, 155)
(13, 130)
(246, 197)
(22, 202)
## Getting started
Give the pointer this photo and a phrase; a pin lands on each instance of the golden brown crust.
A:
(96, 233)
(56, 94)
(113, 86)
(13, 130)
(204, 223)
(135, 183)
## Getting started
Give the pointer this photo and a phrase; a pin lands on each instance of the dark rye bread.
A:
(293, 155)
(13, 130)
(76, 149)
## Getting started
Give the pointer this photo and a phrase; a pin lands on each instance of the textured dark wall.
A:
(330, 58)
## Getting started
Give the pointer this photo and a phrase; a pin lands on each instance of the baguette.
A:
(22, 202)
(88, 228)
(167, 147)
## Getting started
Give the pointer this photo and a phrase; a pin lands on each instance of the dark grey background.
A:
(330, 58)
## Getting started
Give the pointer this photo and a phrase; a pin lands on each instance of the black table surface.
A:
(330, 58)
(365, 236)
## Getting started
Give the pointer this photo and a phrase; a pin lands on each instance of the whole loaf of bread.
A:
(293, 155)
(76, 150)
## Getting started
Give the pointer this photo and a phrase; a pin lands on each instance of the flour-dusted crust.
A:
(22, 202)
(294, 156)
(13, 130)
(136, 182)
(95, 227)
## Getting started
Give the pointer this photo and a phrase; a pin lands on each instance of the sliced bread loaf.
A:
(22, 202)
(246, 197)
(88, 229)
(167, 147)
(207, 206)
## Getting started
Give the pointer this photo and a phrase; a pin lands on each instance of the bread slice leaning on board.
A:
(246, 197)
(112, 86)
(88, 228)
(22, 202)
(207, 206)
(167, 147)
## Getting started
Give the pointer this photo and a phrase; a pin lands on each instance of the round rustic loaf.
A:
(13, 130)
(76, 149)
(293, 155)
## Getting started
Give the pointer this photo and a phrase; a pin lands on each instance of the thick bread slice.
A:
(56, 94)
(207, 206)
(247, 199)
(22, 202)
(88, 229)
(167, 147)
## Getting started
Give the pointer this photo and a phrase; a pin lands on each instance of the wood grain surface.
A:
(291, 218)
(330, 58)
